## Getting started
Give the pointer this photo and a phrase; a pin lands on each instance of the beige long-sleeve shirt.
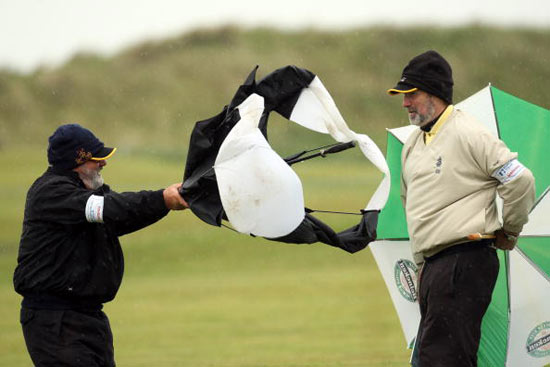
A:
(449, 186)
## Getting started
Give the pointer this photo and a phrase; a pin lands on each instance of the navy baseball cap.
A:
(72, 145)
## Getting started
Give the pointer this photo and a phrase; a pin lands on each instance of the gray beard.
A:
(91, 179)
(96, 181)
(420, 120)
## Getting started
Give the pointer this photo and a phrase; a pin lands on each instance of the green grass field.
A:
(196, 295)
(199, 296)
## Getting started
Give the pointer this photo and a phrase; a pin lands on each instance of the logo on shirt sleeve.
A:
(509, 171)
(94, 209)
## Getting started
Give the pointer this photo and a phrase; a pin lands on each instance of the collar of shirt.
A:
(429, 135)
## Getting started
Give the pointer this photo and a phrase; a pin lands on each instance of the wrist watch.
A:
(510, 237)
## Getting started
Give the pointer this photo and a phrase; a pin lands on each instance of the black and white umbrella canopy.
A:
(233, 174)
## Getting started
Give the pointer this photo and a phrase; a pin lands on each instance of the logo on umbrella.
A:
(405, 272)
(538, 341)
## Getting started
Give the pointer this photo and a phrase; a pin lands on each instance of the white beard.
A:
(96, 181)
(92, 179)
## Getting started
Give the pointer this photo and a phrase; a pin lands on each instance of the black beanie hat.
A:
(429, 72)
(72, 145)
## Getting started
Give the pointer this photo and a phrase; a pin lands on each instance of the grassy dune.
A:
(150, 95)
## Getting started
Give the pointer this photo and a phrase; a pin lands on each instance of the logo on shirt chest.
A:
(438, 164)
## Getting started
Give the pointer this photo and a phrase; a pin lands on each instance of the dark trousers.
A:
(454, 293)
(68, 338)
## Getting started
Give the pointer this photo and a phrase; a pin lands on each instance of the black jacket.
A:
(67, 262)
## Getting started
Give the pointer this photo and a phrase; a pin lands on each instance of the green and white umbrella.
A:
(516, 327)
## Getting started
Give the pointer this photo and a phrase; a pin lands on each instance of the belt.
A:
(463, 247)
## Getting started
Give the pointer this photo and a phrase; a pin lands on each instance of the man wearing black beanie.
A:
(452, 169)
(70, 261)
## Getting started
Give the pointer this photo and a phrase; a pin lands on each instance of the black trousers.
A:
(454, 293)
(68, 338)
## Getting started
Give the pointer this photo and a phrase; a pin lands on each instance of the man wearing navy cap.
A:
(70, 261)
(452, 169)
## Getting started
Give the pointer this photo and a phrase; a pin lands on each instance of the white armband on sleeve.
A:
(94, 209)
(509, 171)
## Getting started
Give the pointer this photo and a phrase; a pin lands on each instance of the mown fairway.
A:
(195, 295)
